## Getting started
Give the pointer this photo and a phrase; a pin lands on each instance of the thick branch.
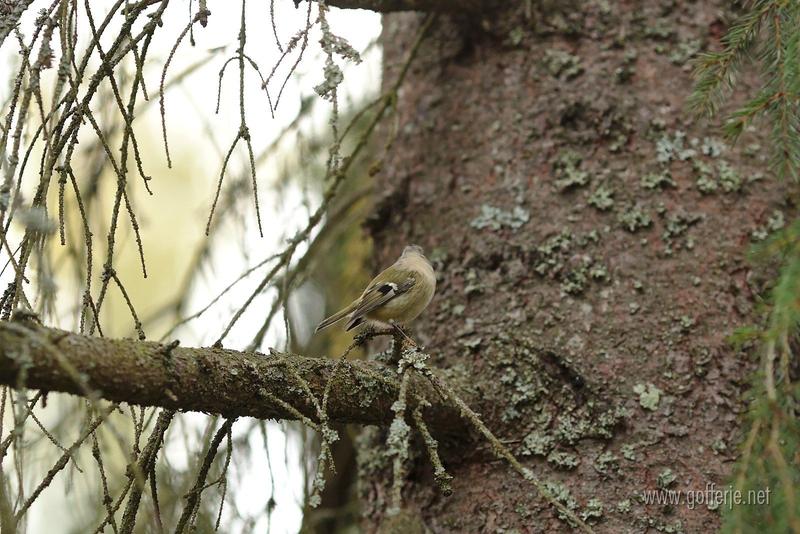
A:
(441, 6)
(212, 380)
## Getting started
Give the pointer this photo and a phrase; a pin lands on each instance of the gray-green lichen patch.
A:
(624, 506)
(712, 147)
(497, 218)
(522, 391)
(686, 323)
(439, 257)
(729, 179)
(673, 148)
(616, 128)
(775, 222)
(473, 283)
(710, 180)
(649, 396)
(719, 446)
(665, 478)
(371, 460)
(568, 173)
(606, 463)
(593, 510)
(472, 343)
(551, 253)
(681, 52)
(598, 271)
(571, 429)
(586, 239)
(709, 177)
(333, 73)
(667, 528)
(562, 494)
(397, 441)
(576, 280)
(661, 28)
(563, 460)
(677, 223)
(562, 64)
(556, 258)
(516, 35)
(675, 226)
(602, 198)
(603, 424)
(536, 393)
(625, 72)
(706, 182)
(536, 443)
(628, 452)
(657, 180)
(633, 218)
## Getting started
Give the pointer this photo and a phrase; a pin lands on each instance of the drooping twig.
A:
(144, 468)
(244, 132)
(497, 447)
(440, 474)
(397, 443)
(61, 463)
(338, 178)
(201, 15)
(193, 497)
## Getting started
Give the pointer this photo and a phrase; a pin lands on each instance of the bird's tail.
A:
(338, 316)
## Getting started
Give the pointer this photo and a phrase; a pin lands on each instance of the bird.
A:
(393, 298)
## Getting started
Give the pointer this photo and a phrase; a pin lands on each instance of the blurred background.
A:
(195, 283)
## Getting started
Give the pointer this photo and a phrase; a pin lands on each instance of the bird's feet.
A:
(401, 334)
(364, 335)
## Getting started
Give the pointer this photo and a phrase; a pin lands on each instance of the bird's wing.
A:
(336, 317)
(376, 296)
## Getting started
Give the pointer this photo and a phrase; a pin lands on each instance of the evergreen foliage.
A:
(768, 35)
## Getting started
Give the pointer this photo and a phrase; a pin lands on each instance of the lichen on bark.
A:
(484, 121)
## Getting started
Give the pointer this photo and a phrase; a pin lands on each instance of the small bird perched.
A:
(396, 296)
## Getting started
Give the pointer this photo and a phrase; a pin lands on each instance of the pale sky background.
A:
(191, 148)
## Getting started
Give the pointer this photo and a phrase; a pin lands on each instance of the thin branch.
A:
(145, 467)
(193, 497)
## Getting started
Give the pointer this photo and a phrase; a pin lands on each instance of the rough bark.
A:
(211, 380)
(10, 13)
(386, 6)
(509, 126)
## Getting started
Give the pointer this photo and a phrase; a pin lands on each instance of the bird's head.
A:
(413, 249)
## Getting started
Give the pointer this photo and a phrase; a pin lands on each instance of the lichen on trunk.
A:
(590, 238)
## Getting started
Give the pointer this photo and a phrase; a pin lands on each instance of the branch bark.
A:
(212, 380)
(440, 6)
(10, 13)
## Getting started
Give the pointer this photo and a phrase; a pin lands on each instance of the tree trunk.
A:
(590, 241)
